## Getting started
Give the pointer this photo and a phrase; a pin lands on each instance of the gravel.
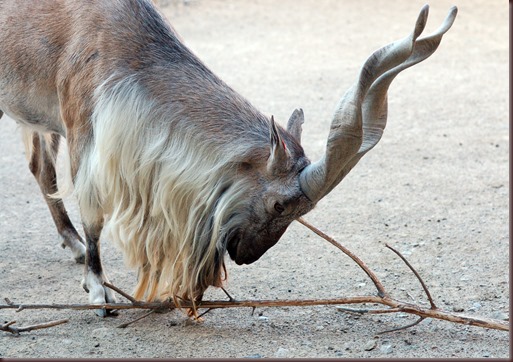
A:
(436, 187)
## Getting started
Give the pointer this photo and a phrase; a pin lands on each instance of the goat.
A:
(179, 166)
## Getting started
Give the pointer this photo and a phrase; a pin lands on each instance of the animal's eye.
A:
(279, 208)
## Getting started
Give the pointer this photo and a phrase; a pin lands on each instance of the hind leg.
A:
(42, 165)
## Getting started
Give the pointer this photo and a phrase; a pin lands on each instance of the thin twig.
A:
(368, 311)
(205, 312)
(116, 289)
(403, 327)
(227, 294)
(411, 296)
(8, 327)
(431, 302)
(357, 260)
(124, 325)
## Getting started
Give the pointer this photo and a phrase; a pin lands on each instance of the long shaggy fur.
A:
(169, 197)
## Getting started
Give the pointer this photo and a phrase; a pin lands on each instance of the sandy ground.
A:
(435, 187)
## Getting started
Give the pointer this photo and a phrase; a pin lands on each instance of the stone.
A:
(369, 346)
(386, 348)
(281, 353)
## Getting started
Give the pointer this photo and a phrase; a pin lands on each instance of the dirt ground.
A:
(435, 187)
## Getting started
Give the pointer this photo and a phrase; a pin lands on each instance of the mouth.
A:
(237, 254)
(246, 250)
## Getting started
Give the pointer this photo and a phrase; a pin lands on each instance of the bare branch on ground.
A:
(382, 298)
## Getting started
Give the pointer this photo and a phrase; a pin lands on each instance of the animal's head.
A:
(275, 197)
(285, 185)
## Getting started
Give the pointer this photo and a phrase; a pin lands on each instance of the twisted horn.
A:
(361, 115)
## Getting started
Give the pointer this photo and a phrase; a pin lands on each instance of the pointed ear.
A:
(278, 153)
(295, 124)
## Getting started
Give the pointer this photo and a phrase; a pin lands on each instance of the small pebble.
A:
(386, 348)
(369, 346)
(501, 316)
(263, 318)
(281, 353)
(457, 309)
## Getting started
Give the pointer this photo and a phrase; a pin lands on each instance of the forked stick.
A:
(357, 260)
(426, 290)
(383, 298)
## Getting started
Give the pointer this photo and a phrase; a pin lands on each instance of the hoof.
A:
(99, 294)
(104, 313)
(101, 312)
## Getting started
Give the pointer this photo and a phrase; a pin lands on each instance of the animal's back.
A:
(32, 34)
(57, 53)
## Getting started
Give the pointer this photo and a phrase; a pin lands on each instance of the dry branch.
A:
(8, 327)
(396, 306)
(357, 260)
(382, 297)
(426, 290)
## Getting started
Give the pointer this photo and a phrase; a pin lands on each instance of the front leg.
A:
(80, 137)
(94, 277)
